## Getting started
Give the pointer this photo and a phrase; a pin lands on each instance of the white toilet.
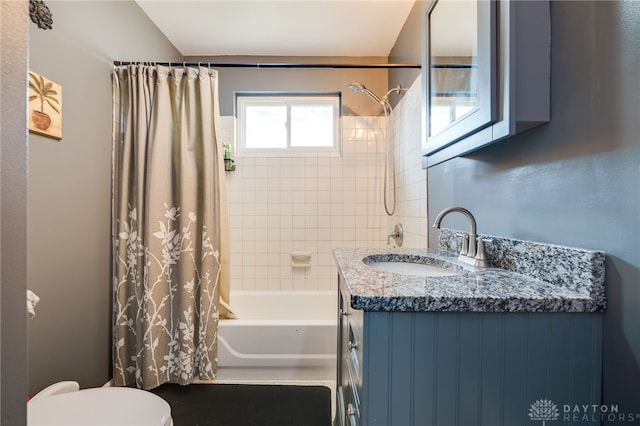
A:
(64, 404)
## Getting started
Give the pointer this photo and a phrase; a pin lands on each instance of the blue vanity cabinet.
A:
(464, 368)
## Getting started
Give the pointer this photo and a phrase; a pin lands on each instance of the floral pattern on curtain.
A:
(167, 202)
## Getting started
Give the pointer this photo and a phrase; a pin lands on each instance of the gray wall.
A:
(408, 49)
(13, 202)
(305, 80)
(69, 195)
(574, 181)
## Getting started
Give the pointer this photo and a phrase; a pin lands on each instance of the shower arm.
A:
(397, 89)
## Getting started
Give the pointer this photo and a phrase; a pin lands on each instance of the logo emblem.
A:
(543, 410)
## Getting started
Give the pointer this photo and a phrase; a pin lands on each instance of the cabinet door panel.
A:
(460, 77)
(376, 373)
(517, 79)
(424, 368)
(401, 362)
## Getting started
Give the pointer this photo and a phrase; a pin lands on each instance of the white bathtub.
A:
(279, 336)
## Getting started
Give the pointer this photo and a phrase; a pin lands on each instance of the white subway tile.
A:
(348, 122)
(298, 222)
(299, 208)
(316, 203)
(310, 196)
(262, 247)
(286, 221)
(273, 284)
(298, 235)
(324, 222)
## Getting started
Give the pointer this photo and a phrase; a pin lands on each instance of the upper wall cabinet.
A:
(486, 73)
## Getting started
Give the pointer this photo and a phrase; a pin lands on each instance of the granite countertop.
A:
(470, 290)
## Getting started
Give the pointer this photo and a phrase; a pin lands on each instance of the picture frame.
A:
(45, 106)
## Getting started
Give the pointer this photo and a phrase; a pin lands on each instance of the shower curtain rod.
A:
(268, 65)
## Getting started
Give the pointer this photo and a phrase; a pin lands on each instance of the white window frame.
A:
(250, 99)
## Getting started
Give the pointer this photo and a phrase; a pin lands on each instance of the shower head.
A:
(386, 106)
(359, 88)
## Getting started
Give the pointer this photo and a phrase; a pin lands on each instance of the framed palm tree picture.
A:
(45, 106)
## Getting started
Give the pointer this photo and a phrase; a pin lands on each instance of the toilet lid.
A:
(100, 406)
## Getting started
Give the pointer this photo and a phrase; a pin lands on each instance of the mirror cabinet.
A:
(486, 73)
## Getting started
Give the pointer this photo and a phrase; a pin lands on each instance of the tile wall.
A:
(282, 205)
(411, 178)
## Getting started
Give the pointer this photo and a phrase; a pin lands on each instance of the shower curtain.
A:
(170, 225)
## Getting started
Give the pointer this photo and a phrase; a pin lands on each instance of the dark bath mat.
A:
(247, 405)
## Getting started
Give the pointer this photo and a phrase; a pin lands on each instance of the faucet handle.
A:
(481, 256)
(465, 244)
(397, 235)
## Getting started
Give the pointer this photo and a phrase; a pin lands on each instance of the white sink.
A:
(410, 268)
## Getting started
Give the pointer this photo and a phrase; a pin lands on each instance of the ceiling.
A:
(354, 28)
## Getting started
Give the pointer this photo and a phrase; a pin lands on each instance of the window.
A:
(288, 123)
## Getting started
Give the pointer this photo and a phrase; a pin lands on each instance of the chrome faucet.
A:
(472, 251)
